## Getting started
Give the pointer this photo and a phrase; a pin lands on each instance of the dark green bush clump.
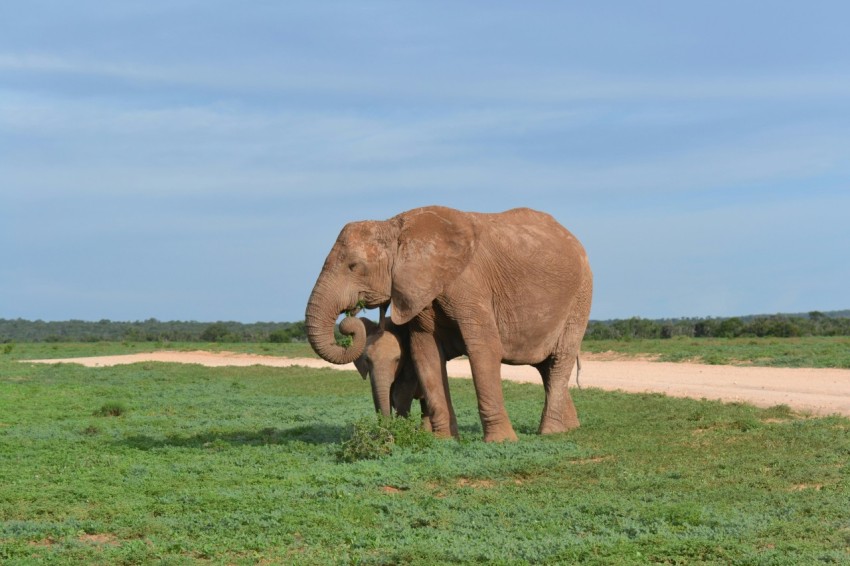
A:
(814, 323)
(376, 436)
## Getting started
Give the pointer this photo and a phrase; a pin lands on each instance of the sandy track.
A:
(820, 391)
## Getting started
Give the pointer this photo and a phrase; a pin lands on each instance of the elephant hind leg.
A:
(559, 412)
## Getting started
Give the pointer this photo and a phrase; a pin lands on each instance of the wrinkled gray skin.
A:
(386, 362)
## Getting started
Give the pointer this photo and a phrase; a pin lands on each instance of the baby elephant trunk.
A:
(381, 391)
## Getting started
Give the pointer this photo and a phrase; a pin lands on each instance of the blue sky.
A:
(195, 160)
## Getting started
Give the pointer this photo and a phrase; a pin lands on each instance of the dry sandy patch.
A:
(819, 391)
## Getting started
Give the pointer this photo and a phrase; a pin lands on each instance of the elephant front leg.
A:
(431, 370)
(487, 377)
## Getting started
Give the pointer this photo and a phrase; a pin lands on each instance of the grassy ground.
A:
(242, 466)
(814, 352)
(49, 350)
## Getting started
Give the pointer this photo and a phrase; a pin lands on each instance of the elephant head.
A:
(405, 261)
(386, 362)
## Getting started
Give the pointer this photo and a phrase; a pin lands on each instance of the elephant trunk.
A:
(381, 395)
(320, 319)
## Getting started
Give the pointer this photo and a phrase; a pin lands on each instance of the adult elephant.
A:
(511, 287)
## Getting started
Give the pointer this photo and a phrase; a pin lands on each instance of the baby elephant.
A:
(386, 362)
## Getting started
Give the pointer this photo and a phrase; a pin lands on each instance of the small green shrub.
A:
(375, 437)
(778, 412)
(370, 440)
(111, 409)
(714, 359)
(7, 349)
(409, 434)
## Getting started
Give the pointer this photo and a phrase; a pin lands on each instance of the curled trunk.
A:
(320, 320)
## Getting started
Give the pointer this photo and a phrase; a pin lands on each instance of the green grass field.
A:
(180, 464)
(815, 352)
(49, 350)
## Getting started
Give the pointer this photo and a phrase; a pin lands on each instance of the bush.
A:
(376, 436)
(730, 328)
(280, 337)
(216, 332)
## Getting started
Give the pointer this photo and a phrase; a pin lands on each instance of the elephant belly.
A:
(529, 355)
(529, 344)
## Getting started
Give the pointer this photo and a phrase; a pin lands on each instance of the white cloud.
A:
(108, 149)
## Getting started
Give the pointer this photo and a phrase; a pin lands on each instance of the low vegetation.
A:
(245, 466)
(376, 436)
(152, 330)
(52, 350)
(814, 323)
(816, 352)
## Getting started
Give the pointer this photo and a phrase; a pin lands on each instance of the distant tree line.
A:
(780, 325)
(152, 330)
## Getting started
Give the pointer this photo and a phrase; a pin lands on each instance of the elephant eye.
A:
(356, 267)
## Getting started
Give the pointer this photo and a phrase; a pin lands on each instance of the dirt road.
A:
(819, 391)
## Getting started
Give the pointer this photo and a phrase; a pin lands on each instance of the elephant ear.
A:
(362, 366)
(435, 245)
(361, 363)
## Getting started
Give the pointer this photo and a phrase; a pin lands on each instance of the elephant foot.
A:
(442, 431)
(443, 434)
(501, 435)
(552, 426)
(441, 427)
